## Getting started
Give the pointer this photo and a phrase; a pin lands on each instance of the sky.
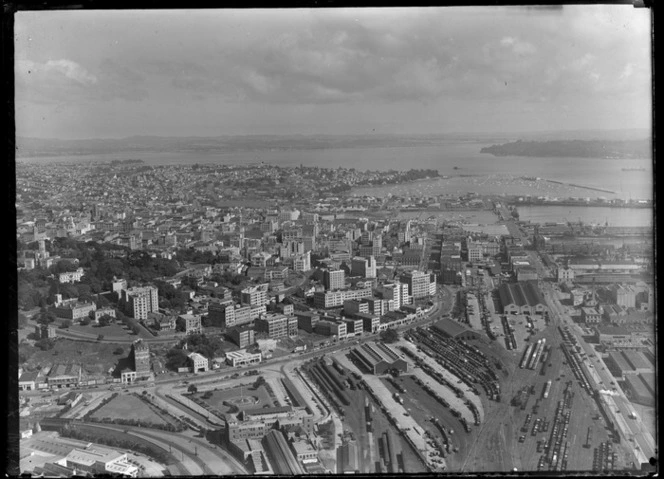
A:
(114, 74)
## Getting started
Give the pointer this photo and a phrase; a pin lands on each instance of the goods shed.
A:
(379, 358)
(638, 390)
(521, 298)
(455, 330)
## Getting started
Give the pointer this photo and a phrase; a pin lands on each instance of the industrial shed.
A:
(638, 390)
(521, 298)
(379, 358)
(455, 330)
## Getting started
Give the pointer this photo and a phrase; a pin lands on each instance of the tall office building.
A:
(334, 279)
(138, 302)
(364, 267)
(418, 283)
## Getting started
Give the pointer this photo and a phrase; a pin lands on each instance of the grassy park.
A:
(129, 407)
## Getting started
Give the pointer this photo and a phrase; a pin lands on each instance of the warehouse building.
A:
(454, 330)
(521, 298)
(638, 390)
(378, 358)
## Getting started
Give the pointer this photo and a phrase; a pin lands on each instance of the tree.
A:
(118, 351)
(135, 328)
(176, 358)
(192, 389)
(45, 344)
(100, 337)
(390, 335)
(85, 321)
(46, 317)
(105, 320)
(65, 324)
(259, 382)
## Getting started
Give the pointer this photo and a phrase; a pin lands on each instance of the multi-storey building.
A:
(353, 306)
(335, 299)
(354, 327)
(72, 276)
(217, 312)
(255, 295)
(624, 295)
(192, 323)
(302, 262)
(418, 283)
(326, 327)
(376, 306)
(74, 310)
(140, 355)
(364, 267)
(138, 302)
(277, 326)
(199, 363)
(243, 336)
(334, 280)
(306, 320)
(475, 253)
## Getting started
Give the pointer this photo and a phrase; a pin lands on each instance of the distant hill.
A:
(574, 149)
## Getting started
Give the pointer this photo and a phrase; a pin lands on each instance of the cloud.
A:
(71, 70)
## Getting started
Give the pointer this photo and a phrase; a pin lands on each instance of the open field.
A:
(129, 406)
(242, 397)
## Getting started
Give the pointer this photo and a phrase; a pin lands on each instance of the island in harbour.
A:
(624, 149)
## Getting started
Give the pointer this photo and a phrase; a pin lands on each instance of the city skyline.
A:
(333, 71)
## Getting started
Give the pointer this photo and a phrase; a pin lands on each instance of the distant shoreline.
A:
(608, 150)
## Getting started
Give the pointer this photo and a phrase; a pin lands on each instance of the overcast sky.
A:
(102, 74)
